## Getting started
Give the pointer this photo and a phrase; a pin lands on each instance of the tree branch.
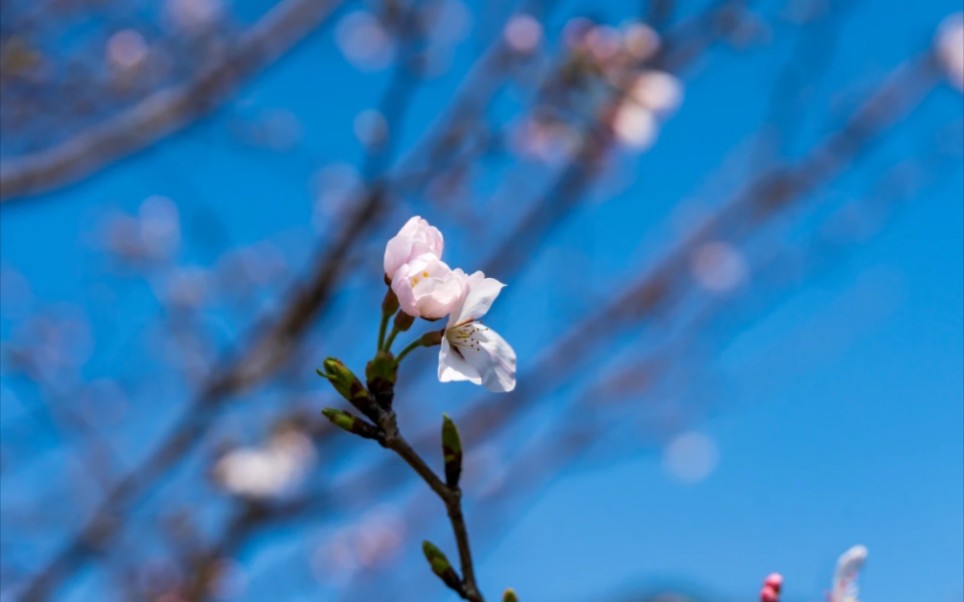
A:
(451, 496)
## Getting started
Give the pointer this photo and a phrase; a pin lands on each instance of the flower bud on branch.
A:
(509, 596)
(389, 303)
(451, 452)
(349, 387)
(381, 373)
(350, 423)
(403, 321)
(441, 566)
(771, 588)
(431, 339)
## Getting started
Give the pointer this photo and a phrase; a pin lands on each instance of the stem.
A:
(450, 496)
(391, 339)
(411, 347)
(381, 330)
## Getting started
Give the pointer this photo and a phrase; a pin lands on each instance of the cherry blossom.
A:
(471, 351)
(426, 287)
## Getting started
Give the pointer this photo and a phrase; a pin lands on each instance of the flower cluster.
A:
(426, 287)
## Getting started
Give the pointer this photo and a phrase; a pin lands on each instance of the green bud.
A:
(451, 452)
(349, 387)
(381, 373)
(509, 596)
(350, 423)
(403, 321)
(441, 566)
(343, 379)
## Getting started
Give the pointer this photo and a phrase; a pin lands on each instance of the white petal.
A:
(845, 577)
(477, 350)
(453, 367)
(480, 294)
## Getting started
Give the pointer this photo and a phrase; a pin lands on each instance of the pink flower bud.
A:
(768, 594)
(774, 581)
(417, 237)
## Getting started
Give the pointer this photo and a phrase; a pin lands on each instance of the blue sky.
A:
(837, 401)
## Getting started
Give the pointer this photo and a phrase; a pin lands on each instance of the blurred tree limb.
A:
(165, 111)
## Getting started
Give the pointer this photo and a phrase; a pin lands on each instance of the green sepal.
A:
(348, 386)
(389, 303)
(451, 451)
(350, 423)
(510, 596)
(343, 379)
(441, 566)
(431, 338)
(403, 321)
(381, 373)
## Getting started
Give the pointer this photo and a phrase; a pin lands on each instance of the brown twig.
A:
(392, 439)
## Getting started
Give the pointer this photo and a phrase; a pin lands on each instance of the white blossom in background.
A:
(523, 33)
(548, 141)
(658, 91)
(690, 457)
(718, 267)
(364, 41)
(371, 128)
(845, 577)
(268, 471)
(635, 126)
(651, 97)
(153, 234)
(949, 46)
(640, 41)
(371, 542)
(471, 351)
(126, 50)
(160, 226)
(193, 15)
(604, 43)
(183, 287)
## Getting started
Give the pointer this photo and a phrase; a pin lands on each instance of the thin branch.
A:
(392, 439)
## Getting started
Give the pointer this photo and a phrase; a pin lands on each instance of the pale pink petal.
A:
(427, 287)
(417, 237)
